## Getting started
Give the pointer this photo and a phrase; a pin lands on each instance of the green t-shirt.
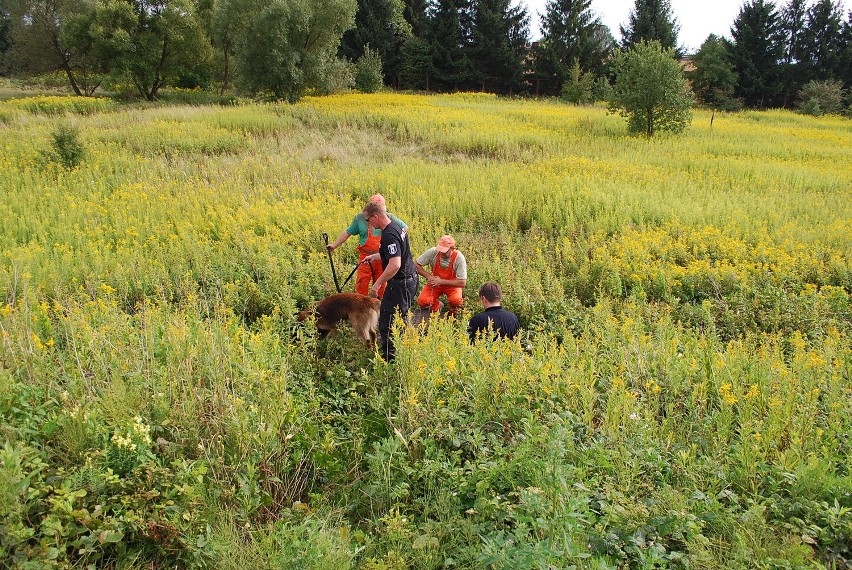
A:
(359, 227)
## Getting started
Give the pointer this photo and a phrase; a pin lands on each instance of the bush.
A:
(602, 90)
(67, 149)
(368, 71)
(579, 89)
(193, 80)
(821, 97)
(337, 76)
(811, 107)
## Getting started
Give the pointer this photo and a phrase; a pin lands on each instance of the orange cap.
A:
(445, 243)
(377, 198)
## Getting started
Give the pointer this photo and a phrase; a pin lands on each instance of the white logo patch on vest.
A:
(392, 249)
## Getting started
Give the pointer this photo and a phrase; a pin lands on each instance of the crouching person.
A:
(448, 276)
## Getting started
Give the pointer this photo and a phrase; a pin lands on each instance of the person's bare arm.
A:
(449, 282)
(394, 263)
(421, 271)
(340, 239)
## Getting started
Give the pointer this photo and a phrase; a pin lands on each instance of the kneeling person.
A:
(448, 276)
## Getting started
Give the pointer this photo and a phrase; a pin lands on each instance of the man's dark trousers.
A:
(398, 297)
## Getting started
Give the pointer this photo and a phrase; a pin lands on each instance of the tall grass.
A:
(680, 396)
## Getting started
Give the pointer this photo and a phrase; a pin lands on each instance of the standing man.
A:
(368, 244)
(448, 276)
(495, 320)
(398, 272)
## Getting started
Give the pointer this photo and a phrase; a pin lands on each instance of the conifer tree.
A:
(448, 38)
(571, 33)
(756, 52)
(5, 42)
(792, 26)
(499, 36)
(416, 14)
(651, 20)
(845, 74)
(822, 40)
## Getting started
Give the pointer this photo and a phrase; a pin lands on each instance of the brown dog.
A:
(361, 311)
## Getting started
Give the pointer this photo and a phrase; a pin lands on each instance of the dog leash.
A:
(354, 269)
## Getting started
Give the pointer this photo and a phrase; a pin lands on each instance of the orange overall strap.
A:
(372, 244)
(449, 272)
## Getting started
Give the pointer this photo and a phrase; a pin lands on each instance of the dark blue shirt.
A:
(503, 323)
(395, 244)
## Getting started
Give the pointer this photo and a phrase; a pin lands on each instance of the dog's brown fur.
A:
(361, 311)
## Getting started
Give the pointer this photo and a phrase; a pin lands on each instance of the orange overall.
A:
(368, 272)
(430, 294)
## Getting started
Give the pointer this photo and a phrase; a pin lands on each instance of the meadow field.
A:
(681, 397)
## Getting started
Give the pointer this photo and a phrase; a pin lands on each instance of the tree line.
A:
(284, 48)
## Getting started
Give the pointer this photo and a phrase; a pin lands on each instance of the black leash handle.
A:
(331, 261)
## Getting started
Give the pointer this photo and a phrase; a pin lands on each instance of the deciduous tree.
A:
(713, 79)
(821, 97)
(151, 40)
(381, 25)
(49, 35)
(291, 45)
(229, 23)
(650, 90)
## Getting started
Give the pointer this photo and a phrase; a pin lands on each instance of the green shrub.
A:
(601, 90)
(580, 87)
(66, 147)
(821, 97)
(368, 71)
(193, 80)
(338, 76)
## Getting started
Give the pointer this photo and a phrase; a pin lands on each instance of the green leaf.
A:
(110, 536)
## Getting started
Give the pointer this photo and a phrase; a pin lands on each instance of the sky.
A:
(697, 18)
